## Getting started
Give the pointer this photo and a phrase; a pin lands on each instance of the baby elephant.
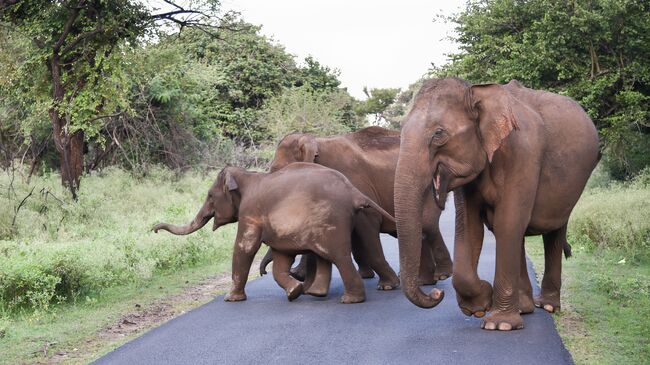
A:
(301, 208)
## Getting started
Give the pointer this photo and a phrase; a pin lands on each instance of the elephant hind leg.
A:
(554, 243)
(281, 266)
(361, 254)
(318, 283)
(367, 232)
(526, 304)
(354, 291)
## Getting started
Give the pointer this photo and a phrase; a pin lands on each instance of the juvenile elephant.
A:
(517, 160)
(299, 209)
(368, 158)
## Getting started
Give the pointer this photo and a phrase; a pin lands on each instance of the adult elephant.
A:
(517, 160)
(368, 158)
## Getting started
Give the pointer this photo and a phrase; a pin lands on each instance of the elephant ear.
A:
(230, 183)
(308, 148)
(493, 106)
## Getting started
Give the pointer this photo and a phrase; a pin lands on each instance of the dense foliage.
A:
(132, 90)
(595, 51)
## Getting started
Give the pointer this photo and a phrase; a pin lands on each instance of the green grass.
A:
(605, 316)
(74, 327)
(69, 268)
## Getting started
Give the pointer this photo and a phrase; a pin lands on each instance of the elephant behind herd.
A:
(517, 160)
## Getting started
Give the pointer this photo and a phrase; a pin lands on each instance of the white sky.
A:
(373, 43)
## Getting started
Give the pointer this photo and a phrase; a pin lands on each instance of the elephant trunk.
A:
(410, 192)
(202, 218)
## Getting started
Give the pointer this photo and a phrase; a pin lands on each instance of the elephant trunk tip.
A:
(422, 300)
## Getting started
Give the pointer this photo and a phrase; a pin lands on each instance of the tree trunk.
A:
(75, 149)
(69, 146)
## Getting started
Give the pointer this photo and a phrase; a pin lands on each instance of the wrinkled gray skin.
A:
(517, 160)
(300, 209)
(368, 158)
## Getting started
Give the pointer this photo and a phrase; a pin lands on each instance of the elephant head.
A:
(222, 204)
(295, 147)
(447, 139)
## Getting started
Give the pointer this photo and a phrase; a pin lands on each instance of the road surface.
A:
(386, 329)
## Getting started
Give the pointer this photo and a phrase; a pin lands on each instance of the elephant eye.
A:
(439, 137)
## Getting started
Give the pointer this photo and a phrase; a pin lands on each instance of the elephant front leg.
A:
(511, 218)
(246, 246)
(474, 295)
(549, 298)
(281, 266)
(525, 289)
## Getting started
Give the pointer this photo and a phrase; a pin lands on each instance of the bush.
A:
(60, 250)
(615, 217)
(303, 110)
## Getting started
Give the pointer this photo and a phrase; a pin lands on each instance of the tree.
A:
(595, 51)
(73, 68)
(378, 100)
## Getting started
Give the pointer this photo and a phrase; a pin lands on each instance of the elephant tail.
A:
(567, 249)
(265, 262)
(363, 202)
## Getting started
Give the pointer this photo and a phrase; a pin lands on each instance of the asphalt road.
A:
(386, 329)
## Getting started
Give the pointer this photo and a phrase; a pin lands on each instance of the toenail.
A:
(504, 326)
(490, 326)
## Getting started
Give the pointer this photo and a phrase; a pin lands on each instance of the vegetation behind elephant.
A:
(301, 208)
(368, 158)
(518, 160)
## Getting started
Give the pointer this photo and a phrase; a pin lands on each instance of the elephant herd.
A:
(516, 159)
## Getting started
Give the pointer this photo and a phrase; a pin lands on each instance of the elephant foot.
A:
(444, 271)
(503, 321)
(294, 291)
(526, 304)
(234, 297)
(317, 291)
(388, 284)
(550, 303)
(478, 305)
(366, 272)
(429, 279)
(348, 298)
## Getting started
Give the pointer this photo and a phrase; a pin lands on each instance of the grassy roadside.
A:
(605, 316)
(81, 332)
(71, 271)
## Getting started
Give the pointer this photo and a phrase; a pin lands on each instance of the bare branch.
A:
(13, 222)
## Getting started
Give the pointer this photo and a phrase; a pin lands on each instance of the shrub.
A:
(60, 250)
(615, 217)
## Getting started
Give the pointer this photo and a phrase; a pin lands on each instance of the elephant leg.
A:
(354, 290)
(474, 295)
(368, 233)
(549, 298)
(435, 263)
(300, 271)
(427, 273)
(444, 266)
(265, 261)
(360, 256)
(525, 289)
(281, 265)
(511, 217)
(320, 283)
(247, 244)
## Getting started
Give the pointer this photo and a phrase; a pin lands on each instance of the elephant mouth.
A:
(441, 178)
